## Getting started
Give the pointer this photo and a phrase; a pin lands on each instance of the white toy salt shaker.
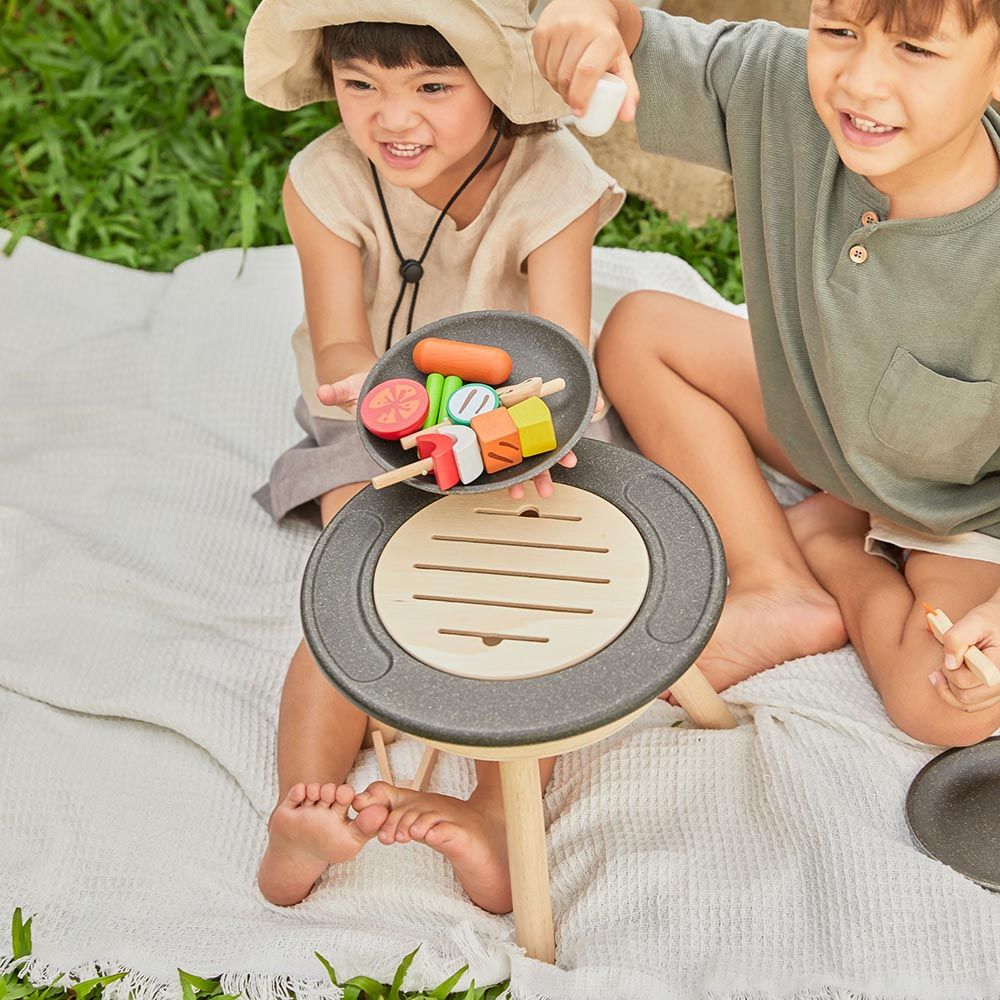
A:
(606, 102)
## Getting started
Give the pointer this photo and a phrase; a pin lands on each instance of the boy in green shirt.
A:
(866, 162)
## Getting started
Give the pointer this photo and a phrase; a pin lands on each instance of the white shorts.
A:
(894, 543)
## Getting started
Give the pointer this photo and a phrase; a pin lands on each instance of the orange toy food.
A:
(498, 439)
(395, 408)
(470, 362)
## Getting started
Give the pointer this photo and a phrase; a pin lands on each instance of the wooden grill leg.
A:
(529, 868)
(424, 769)
(701, 701)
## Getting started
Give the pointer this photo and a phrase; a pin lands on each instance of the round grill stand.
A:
(514, 630)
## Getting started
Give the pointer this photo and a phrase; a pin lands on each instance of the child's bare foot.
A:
(763, 627)
(309, 830)
(471, 835)
(820, 519)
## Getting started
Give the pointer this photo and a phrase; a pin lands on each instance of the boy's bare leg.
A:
(683, 378)
(472, 835)
(883, 612)
(319, 735)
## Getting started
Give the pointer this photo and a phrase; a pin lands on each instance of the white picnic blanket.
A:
(147, 613)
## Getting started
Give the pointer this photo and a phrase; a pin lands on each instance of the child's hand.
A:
(543, 481)
(343, 393)
(575, 43)
(955, 683)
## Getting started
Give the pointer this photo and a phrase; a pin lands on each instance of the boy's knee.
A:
(628, 332)
(939, 724)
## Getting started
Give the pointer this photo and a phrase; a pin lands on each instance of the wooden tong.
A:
(975, 659)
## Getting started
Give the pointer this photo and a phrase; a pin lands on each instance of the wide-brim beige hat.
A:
(493, 37)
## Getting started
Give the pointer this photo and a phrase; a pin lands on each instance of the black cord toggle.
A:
(411, 271)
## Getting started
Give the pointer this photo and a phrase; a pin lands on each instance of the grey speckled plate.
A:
(953, 808)
(687, 584)
(537, 347)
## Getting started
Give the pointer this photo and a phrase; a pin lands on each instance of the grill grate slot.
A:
(521, 574)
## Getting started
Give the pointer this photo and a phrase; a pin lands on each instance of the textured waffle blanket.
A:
(147, 615)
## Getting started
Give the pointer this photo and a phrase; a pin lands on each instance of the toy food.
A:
(468, 457)
(534, 426)
(451, 384)
(437, 454)
(471, 401)
(470, 362)
(511, 394)
(395, 408)
(498, 439)
(435, 387)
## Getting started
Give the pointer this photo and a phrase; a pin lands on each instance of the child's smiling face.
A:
(416, 123)
(894, 103)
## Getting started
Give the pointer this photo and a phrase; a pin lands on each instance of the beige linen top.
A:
(549, 180)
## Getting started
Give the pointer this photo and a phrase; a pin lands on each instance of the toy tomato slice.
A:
(395, 408)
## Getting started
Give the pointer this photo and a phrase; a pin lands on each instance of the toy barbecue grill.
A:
(510, 630)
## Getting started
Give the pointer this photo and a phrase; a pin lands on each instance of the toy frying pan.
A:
(953, 809)
(537, 348)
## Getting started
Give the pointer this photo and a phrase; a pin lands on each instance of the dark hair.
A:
(395, 46)
(921, 18)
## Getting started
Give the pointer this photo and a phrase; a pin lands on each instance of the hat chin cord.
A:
(412, 270)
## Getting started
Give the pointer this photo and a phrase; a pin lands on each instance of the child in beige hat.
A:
(448, 187)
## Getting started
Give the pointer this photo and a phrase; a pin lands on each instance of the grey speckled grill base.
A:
(675, 621)
(953, 808)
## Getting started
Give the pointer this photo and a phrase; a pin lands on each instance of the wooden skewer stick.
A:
(424, 769)
(404, 472)
(384, 770)
(507, 396)
(975, 659)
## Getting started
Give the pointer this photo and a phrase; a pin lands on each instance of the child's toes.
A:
(403, 826)
(388, 832)
(296, 794)
(446, 836)
(312, 791)
(423, 823)
(377, 793)
(370, 819)
(328, 793)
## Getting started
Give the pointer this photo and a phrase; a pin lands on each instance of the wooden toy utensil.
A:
(437, 455)
(975, 659)
(395, 408)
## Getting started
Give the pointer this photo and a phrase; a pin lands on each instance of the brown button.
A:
(869, 218)
(858, 254)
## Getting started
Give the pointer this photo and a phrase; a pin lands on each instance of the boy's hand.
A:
(543, 481)
(575, 43)
(343, 393)
(955, 683)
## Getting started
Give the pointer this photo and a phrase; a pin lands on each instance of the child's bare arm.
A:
(559, 277)
(559, 290)
(334, 297)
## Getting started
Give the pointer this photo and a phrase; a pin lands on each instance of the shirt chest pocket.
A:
(935, 427)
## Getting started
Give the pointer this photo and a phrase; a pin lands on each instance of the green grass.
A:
(125, 136)
(16, 986)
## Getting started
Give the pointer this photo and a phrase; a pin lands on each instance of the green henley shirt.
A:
(877, 342)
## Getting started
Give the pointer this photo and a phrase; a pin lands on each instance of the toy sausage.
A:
(470, 362)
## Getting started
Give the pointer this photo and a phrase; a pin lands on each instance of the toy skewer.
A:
(437, 455)
(384, 770)
(505, 393)
(975, 659)
(424, 769)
